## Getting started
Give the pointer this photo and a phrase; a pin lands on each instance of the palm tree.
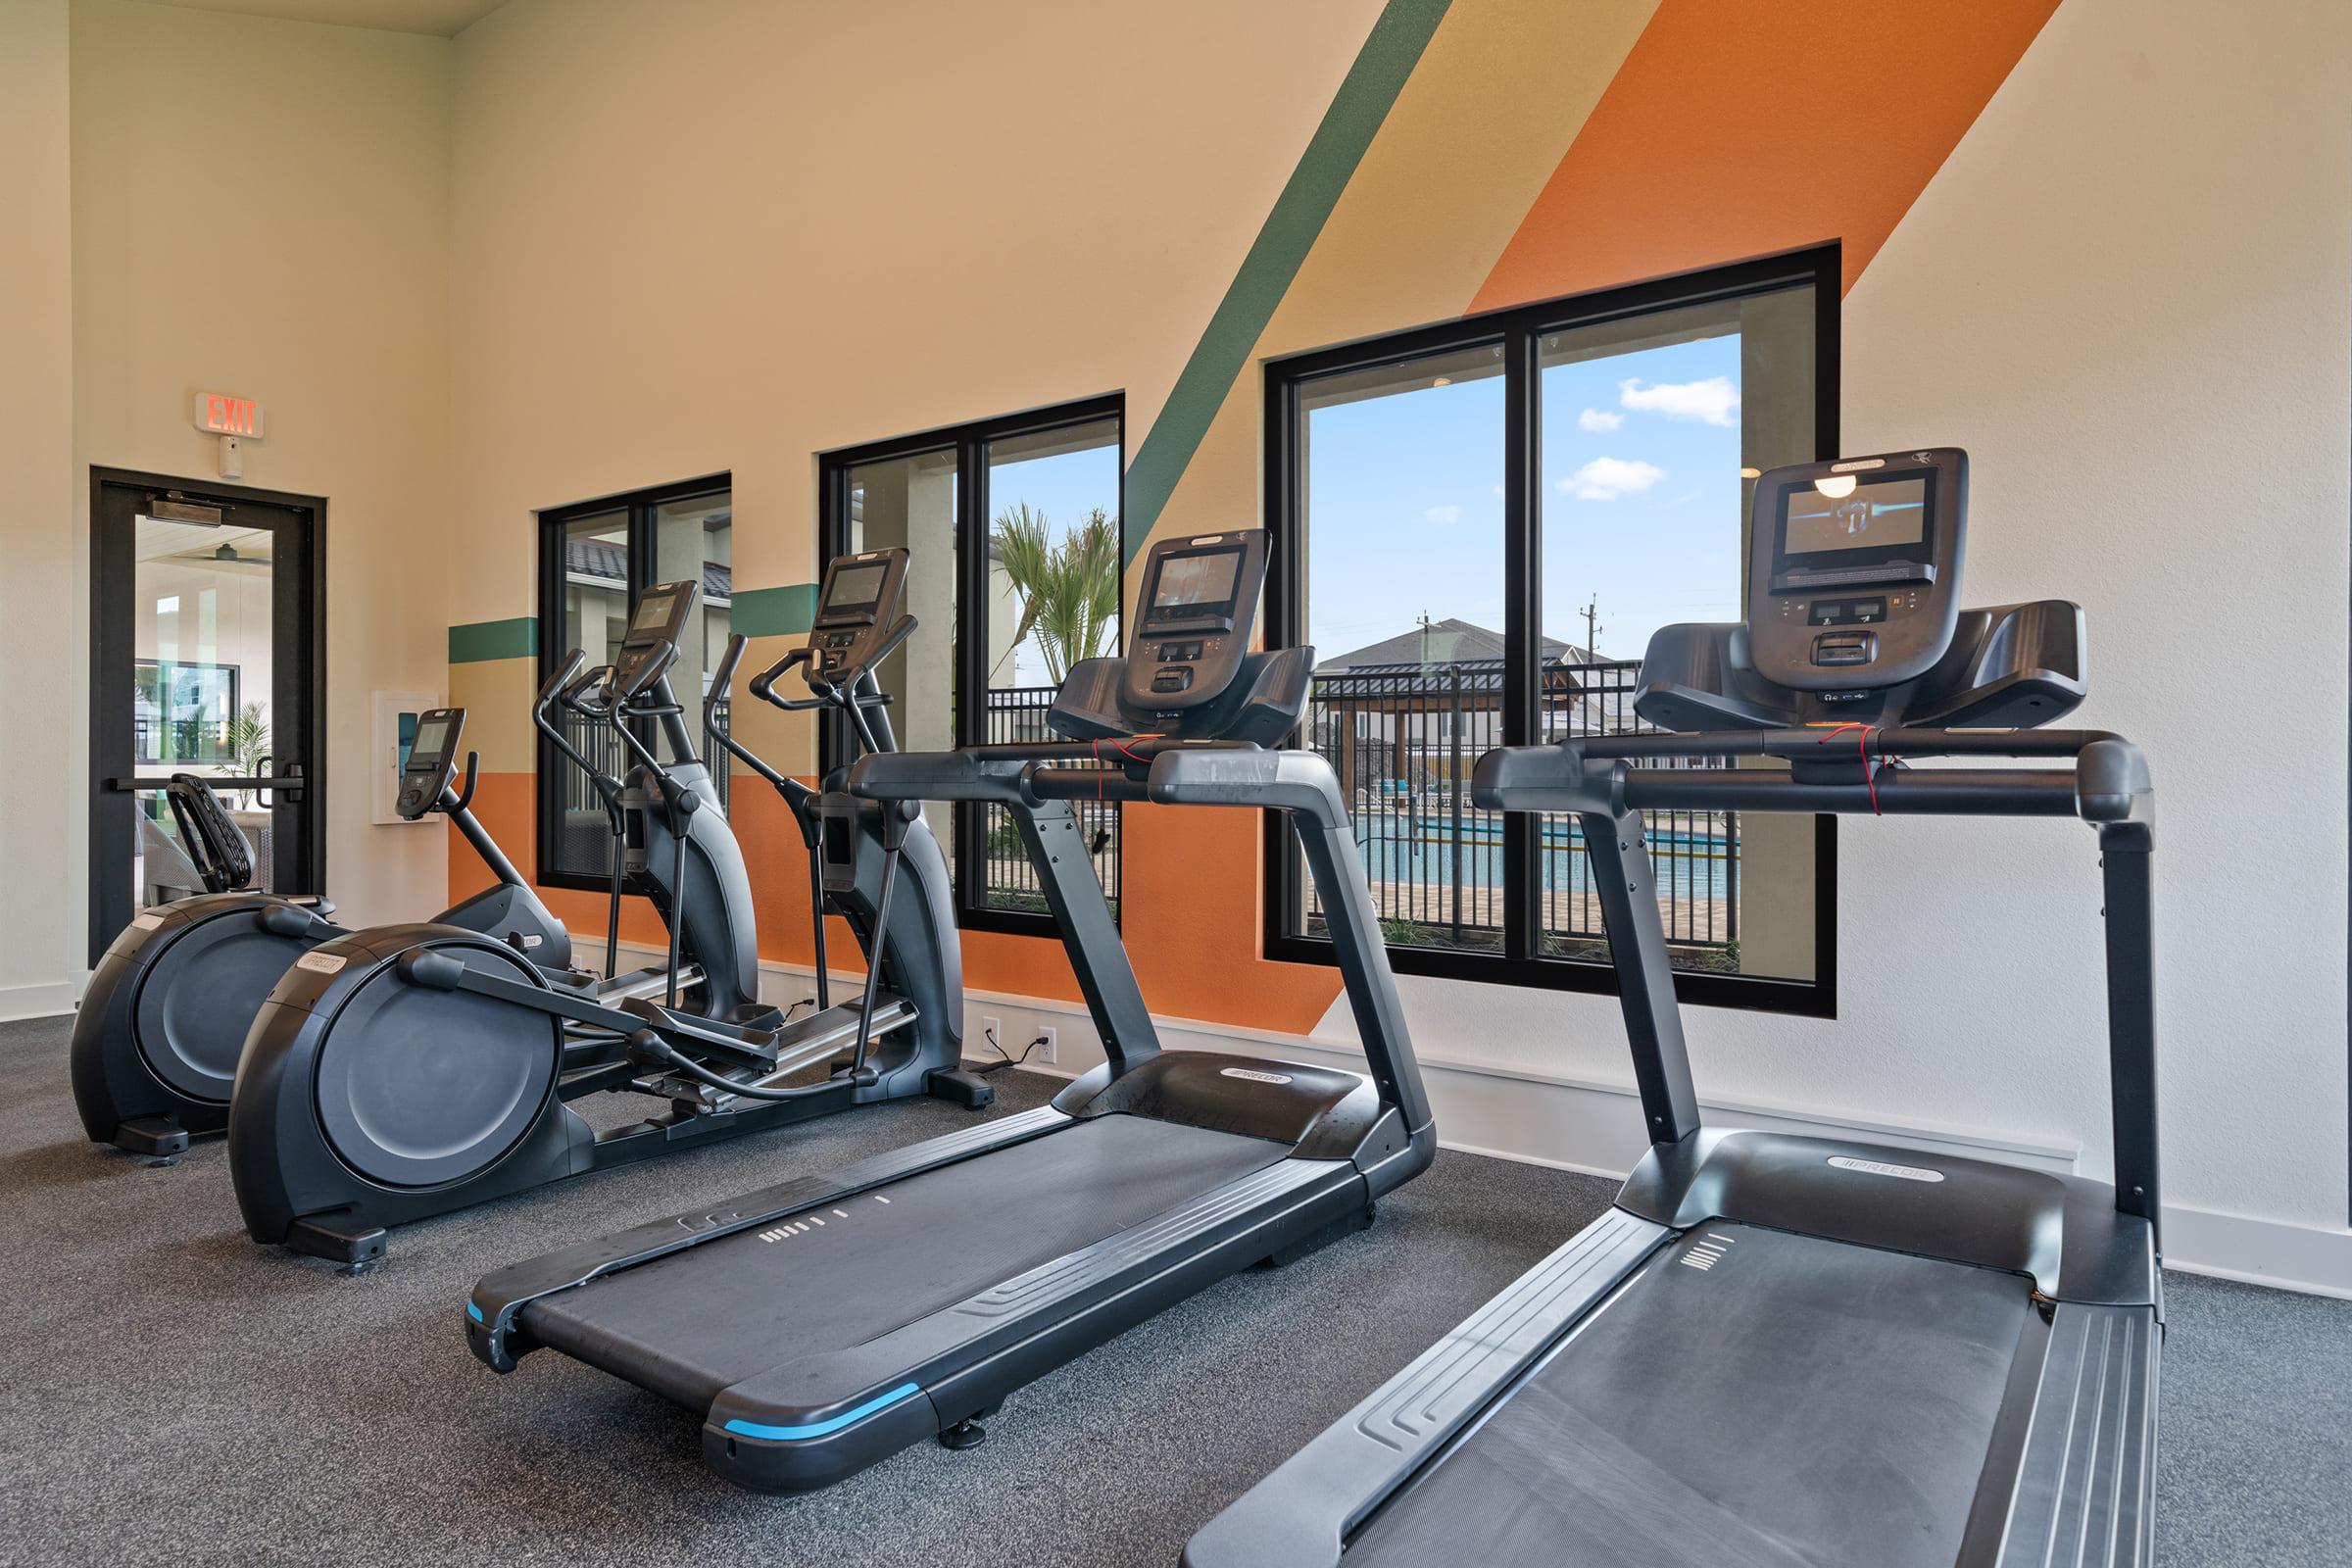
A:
(247, 742)
(1069, 589)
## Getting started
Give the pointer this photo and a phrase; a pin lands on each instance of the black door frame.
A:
(111, 562)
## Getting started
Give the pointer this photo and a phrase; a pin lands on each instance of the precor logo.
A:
(1874, 1167)
(1254, 1076)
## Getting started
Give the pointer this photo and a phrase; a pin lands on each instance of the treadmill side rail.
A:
(2085, 1483)
(1300, 1514)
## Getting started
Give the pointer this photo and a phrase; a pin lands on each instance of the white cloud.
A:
(1599, 420)
(1445, 517)
(1713, 401)
(1607, 478)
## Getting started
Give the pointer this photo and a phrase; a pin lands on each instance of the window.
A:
(595, 559)
(1019, 572)
(1478, 527)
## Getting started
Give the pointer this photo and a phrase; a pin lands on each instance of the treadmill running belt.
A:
(1751, 1399)
(698, 1321)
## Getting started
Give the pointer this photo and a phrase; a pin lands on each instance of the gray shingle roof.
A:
(1441, 642)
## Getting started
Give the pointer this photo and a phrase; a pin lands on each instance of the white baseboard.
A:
(1507, 1112)
(2259, 1252)
(40, 999)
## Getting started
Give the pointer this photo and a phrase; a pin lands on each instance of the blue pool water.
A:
(1690, 864)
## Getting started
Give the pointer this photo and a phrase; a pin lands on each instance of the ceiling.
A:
(444, 18)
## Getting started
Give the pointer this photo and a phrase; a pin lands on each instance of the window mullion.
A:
(1522, 627)
(971, 653)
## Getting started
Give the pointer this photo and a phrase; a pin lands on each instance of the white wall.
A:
(42, 755)
(261, 207)
(2126, 295)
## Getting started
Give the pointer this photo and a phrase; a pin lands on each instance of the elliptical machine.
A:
(160, 1030)
(413, 1070)
(158, 1034)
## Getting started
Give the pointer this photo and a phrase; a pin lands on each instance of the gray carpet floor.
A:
(169, 1393)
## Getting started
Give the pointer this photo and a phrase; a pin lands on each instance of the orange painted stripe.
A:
(1741, 127)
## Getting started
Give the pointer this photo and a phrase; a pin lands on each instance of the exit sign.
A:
(219, 413)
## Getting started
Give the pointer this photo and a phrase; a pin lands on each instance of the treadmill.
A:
(1781, 1351)
(825, 1322)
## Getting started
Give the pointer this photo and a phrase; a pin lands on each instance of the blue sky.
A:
(1065, 488)
(1641, 495)
(1641, 499)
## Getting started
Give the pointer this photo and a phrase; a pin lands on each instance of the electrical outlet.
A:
(992, 1029)
(1048, 1049)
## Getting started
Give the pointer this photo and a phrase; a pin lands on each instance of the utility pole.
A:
(1593, 628)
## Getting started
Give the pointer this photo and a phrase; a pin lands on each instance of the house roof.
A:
(1441, 642)
(608, 562)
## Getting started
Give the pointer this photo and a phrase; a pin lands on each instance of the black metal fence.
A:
(1403, 739)
(1008, 880)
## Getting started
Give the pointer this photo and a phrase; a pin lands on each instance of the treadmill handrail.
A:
(1022, 778)
(2108, 787)
(2108, 782)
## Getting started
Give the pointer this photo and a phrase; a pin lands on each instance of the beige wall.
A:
(42, 760)
(261, 207)
(728, 236)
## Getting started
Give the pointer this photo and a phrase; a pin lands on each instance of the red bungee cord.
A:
(1862, 744)
(1095, 750)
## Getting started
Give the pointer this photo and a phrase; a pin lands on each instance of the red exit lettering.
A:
(222, 415)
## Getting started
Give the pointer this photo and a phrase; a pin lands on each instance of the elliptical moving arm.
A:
(720, 728)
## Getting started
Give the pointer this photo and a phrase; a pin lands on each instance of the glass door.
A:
(206, 661)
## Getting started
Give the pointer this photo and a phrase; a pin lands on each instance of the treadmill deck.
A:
(1751, 1399)
(695, 1322)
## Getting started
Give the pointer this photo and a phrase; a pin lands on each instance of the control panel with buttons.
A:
(1850, 570)
(431, 763)
(1200, 591)
(1832, 649)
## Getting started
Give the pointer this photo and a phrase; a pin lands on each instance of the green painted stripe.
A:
(785, 612)
(1389, 53)
(493, 639)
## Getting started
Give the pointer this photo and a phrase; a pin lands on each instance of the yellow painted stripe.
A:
(496, 694)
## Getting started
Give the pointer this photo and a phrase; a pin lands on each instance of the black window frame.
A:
(969, 441)
(642, 507)
(1518, 331)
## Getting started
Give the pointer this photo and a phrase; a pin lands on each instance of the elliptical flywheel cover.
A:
(418, 1087)
(197, 1001)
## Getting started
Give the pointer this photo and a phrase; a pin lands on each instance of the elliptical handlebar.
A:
(565, 687)
(828, 691)
(719, 730)
(556, 684)
(460, 799)
(583, 696)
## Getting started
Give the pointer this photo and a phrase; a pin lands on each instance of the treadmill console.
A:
(1193, 620)
(432, 761)
(856, 606)
(1855, 568)
(654, 631)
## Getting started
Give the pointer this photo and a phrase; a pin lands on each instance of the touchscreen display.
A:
(653, 611)
(432, 739)
(857, 587)
(1188, 581)
(1868, 514)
